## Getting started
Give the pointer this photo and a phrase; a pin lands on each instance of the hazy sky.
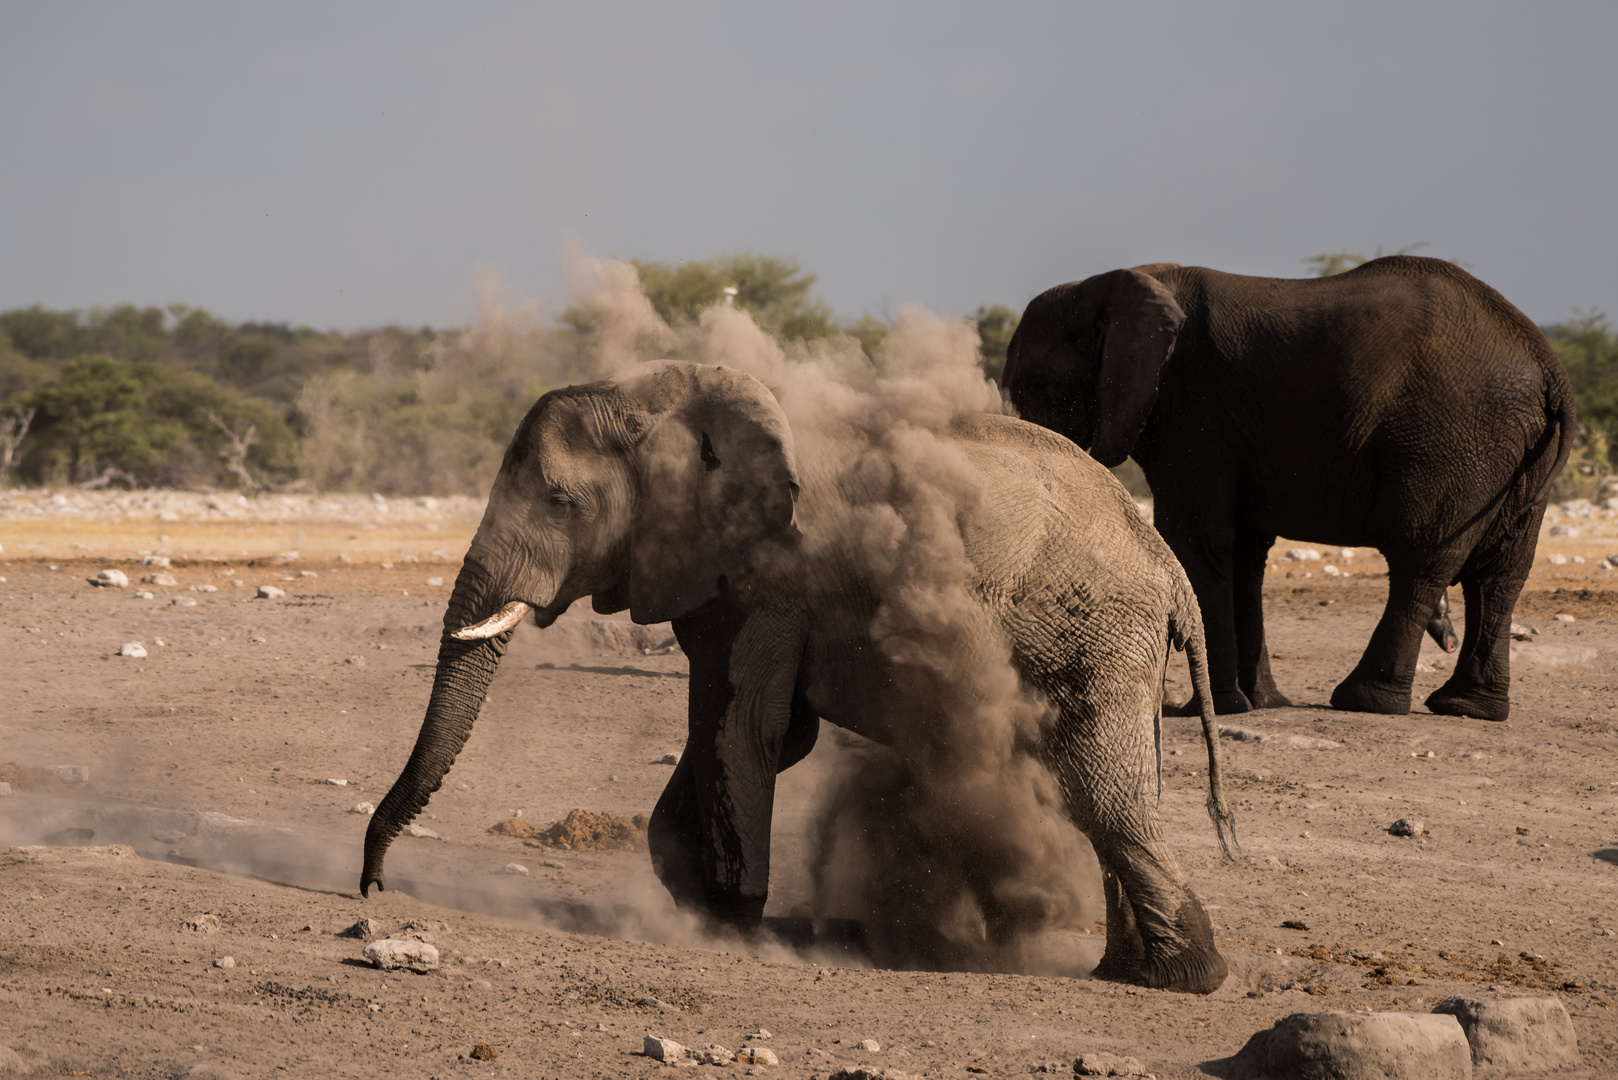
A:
(345, 164)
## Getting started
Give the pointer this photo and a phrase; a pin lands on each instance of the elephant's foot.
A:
(1195, 970)
(1353, 695)
(1226, 703)
(1268, 698)
(1469, 699)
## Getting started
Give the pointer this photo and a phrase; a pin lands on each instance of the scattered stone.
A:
(225, 962)
(422, 831)
(1556, 558)
(1522, 633)
(1100, 1063)
(110, 579)
(1303, 555)
(182, 601)
(1527, 1033)
(756, 1055)
(713, 1054)
(515, 868)
(665, 1050)
(668, 759)
(435, 581)
(1408, 827)
(308, 573)
(1565, 617)
(202, 924)
(870, 1044)
(484, 1052)
(861, 1072)
(362, 930)
(391, 954)
(258, 639)
(159, 561)
(357, 661)
(761, 1033)
(333, 782)
(167, 581)
(134, 649)
(1359, 1046)
(362, 808)
(270, 592)
(143, 595)
(1294, 924)
(204, 588)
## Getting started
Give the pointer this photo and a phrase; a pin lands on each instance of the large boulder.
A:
(1356, 1046)
(1531, 1033)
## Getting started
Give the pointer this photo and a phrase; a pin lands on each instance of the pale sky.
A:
(346, 165)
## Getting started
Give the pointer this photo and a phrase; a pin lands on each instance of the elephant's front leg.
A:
(1203, 538)
(710, 833)
(1248, 558)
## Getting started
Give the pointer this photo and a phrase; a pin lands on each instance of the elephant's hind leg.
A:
(1481, 685)
(1381, 681)
(1158, 934)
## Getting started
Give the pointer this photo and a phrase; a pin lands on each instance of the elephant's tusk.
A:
(498, 623)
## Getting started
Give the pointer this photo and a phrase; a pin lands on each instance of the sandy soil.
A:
(208, 793)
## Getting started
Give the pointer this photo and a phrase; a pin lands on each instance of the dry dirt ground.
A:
(208, 793)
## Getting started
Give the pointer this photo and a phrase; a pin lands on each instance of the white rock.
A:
(110, 579)
(870, 1044)
(1517, 1033)
(422, 831)
(1330, 571)
(182, 601)
(363, 808)
(1345, 553)
(666, 1050)
(270, 592)
(167, 581)
(1565, 617)
(203, 924)
(1556, 558)
(713, 1054)
(516, 868)
(204, 588)
(1578, 560)
(1408, 827)
(159, 561)
(133, 648)
(144, 596)
(1101, 1063)
(1303, 554)
(756, 1055)
(391, 954)
(1360, 1046)
(435, 581)
(335, 782)
(225, 962)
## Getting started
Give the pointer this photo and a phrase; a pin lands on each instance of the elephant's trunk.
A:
(465, 669)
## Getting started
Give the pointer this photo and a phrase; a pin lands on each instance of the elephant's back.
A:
(1050, 514)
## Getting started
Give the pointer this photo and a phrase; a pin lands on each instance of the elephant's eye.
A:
(560, 498)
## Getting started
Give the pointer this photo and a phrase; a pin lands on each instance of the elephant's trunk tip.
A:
(496, 624)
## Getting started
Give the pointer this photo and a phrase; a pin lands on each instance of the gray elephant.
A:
(676, 491)
(1404, 405)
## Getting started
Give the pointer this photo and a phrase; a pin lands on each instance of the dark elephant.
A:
(1404, 405)
(676, 491)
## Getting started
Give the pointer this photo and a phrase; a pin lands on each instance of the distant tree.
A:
(88, 418)
(777, 292)
(869, 331)
(996, 323)
(13, 427)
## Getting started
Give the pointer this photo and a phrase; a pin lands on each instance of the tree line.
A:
(177, 397)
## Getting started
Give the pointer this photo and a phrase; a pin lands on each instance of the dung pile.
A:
(584, 831)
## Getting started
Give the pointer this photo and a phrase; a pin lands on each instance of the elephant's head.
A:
(657, 490)
(1086, 358)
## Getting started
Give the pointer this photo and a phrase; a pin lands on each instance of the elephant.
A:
(677, 491)
(1403, 405)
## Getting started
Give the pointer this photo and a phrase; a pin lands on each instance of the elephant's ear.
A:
(1136, 323)
(717, 481)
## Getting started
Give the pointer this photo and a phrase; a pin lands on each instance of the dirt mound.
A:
(515, 827)
(584, 831)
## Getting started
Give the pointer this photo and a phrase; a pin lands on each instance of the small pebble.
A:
(134, 649)
(225, 962)
(363, 808)
(270, 592)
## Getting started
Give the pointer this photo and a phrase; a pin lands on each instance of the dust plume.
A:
(950, 843)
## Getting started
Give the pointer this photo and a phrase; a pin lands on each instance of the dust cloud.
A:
(950, 845)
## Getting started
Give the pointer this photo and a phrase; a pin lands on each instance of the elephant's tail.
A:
(1186, 631)
(1565, 426)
